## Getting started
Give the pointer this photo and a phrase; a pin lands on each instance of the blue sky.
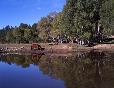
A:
(14, 12)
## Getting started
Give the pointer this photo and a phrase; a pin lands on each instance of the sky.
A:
(14, 12)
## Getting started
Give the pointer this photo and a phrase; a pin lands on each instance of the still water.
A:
(80, 70)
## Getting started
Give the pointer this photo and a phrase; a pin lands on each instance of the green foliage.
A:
(67, 24)
(92, 17)
(56, 25)
(45, 26)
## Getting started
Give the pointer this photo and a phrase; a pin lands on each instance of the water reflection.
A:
(82, 70)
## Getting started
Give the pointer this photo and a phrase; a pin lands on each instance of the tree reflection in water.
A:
(82, 70)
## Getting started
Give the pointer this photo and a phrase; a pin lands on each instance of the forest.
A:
(89, 21)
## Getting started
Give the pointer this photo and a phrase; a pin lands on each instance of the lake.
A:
(79, 70)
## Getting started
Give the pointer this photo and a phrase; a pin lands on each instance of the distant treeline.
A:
(24, 33)
(81, 20)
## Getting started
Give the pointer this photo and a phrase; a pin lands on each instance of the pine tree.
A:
(88, 19)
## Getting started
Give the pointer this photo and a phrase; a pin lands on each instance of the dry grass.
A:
(60, 48)
(104, 46)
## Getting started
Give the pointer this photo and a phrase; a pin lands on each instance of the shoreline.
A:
(60, 48)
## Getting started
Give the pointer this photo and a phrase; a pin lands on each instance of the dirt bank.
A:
(52, 48)
(104, 47)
